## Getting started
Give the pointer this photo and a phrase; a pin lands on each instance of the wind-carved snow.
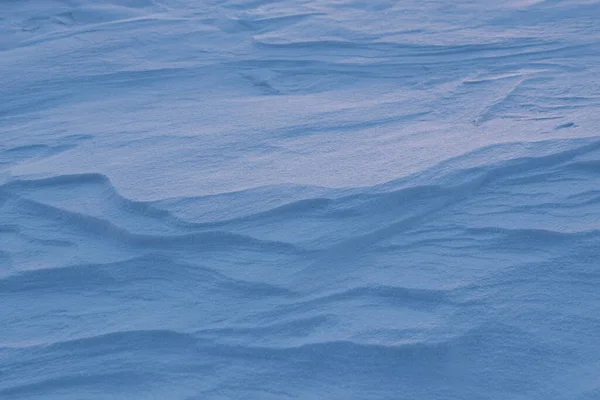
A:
(299, 199)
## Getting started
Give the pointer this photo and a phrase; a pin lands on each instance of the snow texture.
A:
(302, 199)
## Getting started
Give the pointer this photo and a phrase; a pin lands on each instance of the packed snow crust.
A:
(301, 199)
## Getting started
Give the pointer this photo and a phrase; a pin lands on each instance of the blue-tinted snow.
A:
(304, 199)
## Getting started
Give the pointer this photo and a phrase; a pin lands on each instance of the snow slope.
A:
(303, 199)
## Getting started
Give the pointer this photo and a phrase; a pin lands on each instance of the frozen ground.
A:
(303, 199)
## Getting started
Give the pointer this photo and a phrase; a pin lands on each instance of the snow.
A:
(302, 199)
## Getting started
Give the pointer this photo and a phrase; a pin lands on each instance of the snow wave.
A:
(263, 199)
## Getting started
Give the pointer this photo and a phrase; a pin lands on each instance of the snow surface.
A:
(302, 199)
